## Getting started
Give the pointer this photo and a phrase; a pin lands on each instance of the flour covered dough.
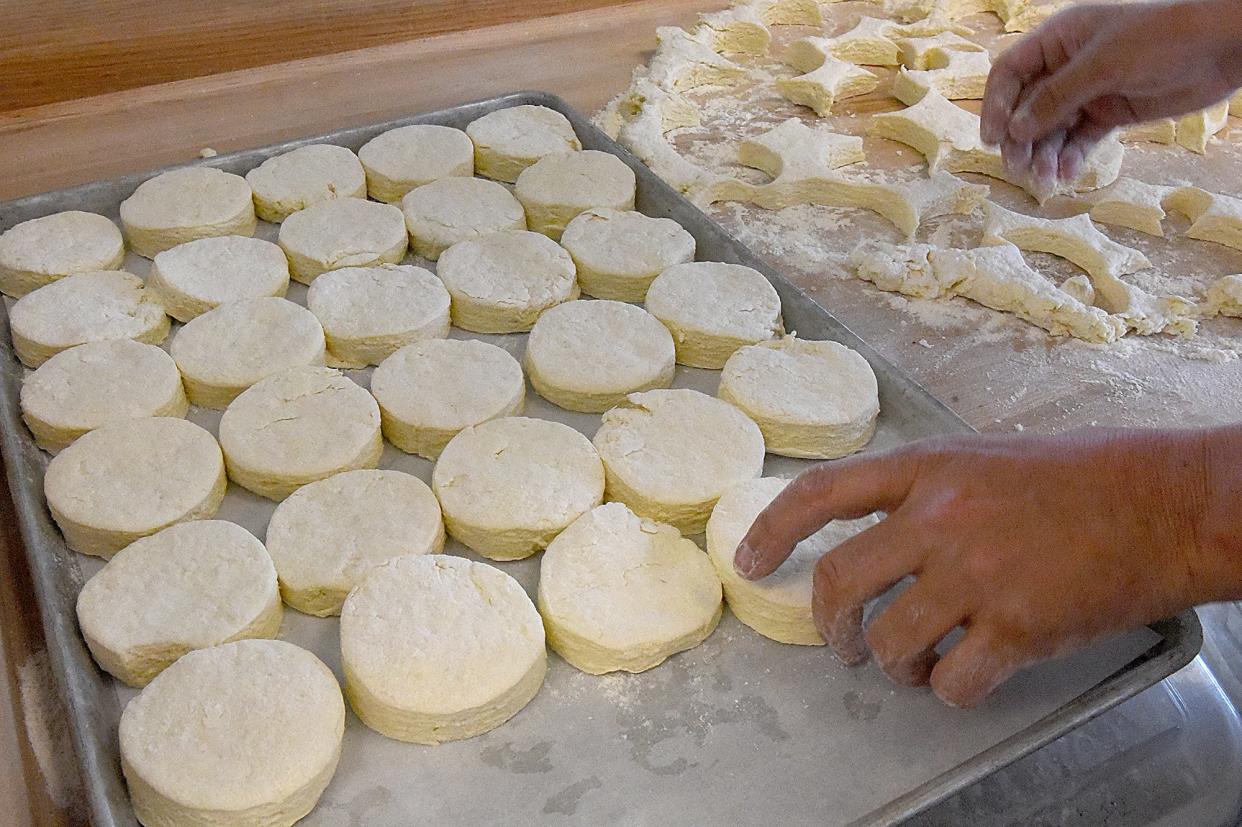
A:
(557, 188)
(42, 250)
(407, 157)
(126, 480)
(91, 385)
(620, 593)
(190, 586)
(431, 390)
(201, 275)
(779, 605)
(184, 204)
(266, 718)
(293, 181)
(343, 232)
(444, 212)
(508, 486)
(509, 140)
(438, 648)
(619, 253)
(327, 535)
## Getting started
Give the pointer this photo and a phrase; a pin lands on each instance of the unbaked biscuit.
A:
(343, 232)
(401, 159)
(203, 274)
(509, 140)
(184, 204)
(296, 179)
(619, 253)
(557, 188)
(444, 212)
(42, 250)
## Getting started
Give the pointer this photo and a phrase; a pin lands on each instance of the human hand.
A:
(1035, 545)
(1093, 68)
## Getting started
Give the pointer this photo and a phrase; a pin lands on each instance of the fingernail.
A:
(744, 561)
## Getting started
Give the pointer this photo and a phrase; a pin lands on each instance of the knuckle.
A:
(831, 579)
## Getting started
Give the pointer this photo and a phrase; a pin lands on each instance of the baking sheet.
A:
(739, 729)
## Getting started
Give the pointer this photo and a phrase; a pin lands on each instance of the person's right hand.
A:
(1093, 68)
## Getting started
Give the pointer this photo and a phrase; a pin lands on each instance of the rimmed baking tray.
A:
(740, 729)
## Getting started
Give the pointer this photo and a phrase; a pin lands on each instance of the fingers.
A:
(1013, 71)
(858, 570)
(972, 669)
(837, 490)
(903, 637)
(1045, 158)
(1078, 145)
(1055, 101)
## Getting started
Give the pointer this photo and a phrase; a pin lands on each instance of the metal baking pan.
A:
(740, 729)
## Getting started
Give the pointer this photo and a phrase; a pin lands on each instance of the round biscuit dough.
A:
(508, 486)
(184, 204)
(444, 212)
(812, 399)
(589, 355)
(619, 253)
(91, 385)
(431, 390)
(296, 427)
(779, 605)
(620, 593)
(555, 189)
(438, 648)
(502, 282)
(407, 157)
(42, 250)
(327, 535)
(368, 313)
(203, 274)
(507, 141)
(296, 179)
(226, 350)
(85, 307)
(712, 309)
(670, 454)
(343, 232)
(190, 586)
(244, 733)
(127, 480)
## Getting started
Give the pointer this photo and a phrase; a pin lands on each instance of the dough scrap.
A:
(508, 486)
(620, 593)
(556, 188)
(85, 307)
(184, 204)
(789, 12)
(408, 157)
(327, 535)
(589, 355)
(203, 274)
(618, 253)
(813, 399)
(956, 75)
(670, 454)
(1196, 129)
(1128, 202)
(740, 29)
(296, 427)
(189, 586)
(1160, 131)
(778, 606)
(1214, 217)
(444, 212)
(438, 648)
(91, 385)
(430, 390)
(42, 250)
(267, 719)
(509, 140)
(685, 61)
(296, 179)
(126, 480)
(921, 52)
(821, 88)
(342, 232)
(1224, 297)
(368, 313)
(1015, 15)
(226, 350)
(501, 283)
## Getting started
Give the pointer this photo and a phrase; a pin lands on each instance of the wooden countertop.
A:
(586, 57)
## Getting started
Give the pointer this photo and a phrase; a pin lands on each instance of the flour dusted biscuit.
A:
(507, 141)
(444, 212)
(670, 454)
(91, 385)
(589, 355)
(438, 648)
(779, 605)
(500, 283)
(430, 390)
(712, 309)
(620, 593)
(85, 307)
(327, 535)
(203, 274)
(184, 204)
(296, 179)
(226, 350)
(125, 480)
(42, 250)
(813, 399)
(247, 733)
(190, 586)
(619, 253)
(368, 313)
(343, 232)
(555, 189)
(401, 159)
(298, 426)
(508, 486)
